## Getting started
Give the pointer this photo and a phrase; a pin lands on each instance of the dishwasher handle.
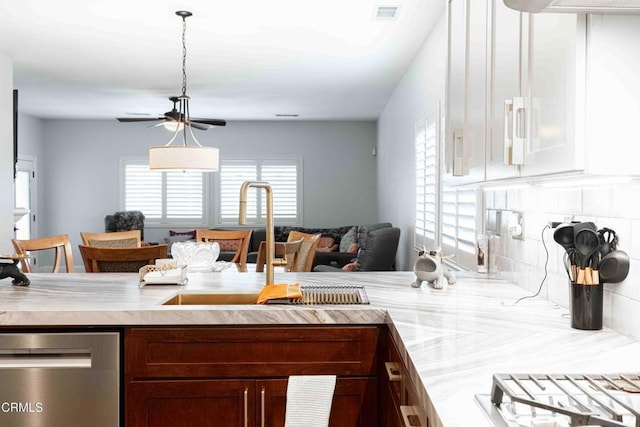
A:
(55, 358)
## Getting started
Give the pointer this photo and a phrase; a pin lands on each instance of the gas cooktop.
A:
(563, 400)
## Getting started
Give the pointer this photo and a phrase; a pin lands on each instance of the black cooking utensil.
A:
(564, 237)
(608, 241)
(586, 243)
(614, 267)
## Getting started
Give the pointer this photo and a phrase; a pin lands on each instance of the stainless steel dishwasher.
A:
(60, 379)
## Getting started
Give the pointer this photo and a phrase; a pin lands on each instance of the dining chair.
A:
(229, 240)
(304, 259)
(110, 260)
(286, 254)
(59, 243)
(116, 239)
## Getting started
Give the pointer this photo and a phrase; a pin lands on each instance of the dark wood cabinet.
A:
(237, 376)
(399, 403)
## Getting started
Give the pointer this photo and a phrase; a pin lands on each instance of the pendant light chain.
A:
(184, 56)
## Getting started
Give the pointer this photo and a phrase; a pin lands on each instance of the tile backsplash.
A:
(615, 206)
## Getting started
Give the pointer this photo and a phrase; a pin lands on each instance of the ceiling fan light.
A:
(184, 158)
(171, 126)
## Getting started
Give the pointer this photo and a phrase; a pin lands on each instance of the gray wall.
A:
(80, 164)
(419, 91)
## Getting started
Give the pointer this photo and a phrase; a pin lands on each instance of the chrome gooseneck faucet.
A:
(270, 252)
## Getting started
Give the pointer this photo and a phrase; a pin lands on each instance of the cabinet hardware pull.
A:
(458, 153)
(393, 371)
(409, 417)
(519, 130)
(246, 407)
(515, 136)
(507, 143)
(262, 406)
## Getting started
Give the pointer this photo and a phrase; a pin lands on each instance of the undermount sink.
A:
(211, 299)
(311, 295)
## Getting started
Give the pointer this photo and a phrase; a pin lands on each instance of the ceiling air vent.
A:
(385, 12)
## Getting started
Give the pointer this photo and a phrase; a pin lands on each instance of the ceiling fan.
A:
(180, 115)
(175, 115)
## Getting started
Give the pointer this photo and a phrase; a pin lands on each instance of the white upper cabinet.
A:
(466, 92)
(555, 99)
(613, 95)
(540, 94)
(507, 89)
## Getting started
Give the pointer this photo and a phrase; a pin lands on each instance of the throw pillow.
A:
(348, 239)
(353, 248)
(179, 238)
(326, 244)
(191, 233)
(352, 266)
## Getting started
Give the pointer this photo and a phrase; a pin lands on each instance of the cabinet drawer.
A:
(223, 352)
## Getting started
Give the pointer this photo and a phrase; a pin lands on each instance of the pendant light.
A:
(195, 157)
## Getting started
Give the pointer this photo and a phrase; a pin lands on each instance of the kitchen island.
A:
(451, 340)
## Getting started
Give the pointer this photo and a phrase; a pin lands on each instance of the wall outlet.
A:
(516, 225)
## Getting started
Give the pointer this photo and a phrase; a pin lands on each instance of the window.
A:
(167, 198)
(286, 182)
(427, 135)
(459, 224)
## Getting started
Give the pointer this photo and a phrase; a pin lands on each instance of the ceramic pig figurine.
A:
(429, 268)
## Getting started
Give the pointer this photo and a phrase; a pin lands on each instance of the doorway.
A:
(25, 197)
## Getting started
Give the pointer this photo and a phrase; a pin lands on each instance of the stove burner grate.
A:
(606, 400)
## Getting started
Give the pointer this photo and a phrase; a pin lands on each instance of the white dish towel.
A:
(309, 399)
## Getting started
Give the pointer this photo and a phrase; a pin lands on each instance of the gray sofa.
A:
(343, 237)
(376, 250)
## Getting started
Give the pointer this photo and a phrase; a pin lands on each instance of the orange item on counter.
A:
(279, 291)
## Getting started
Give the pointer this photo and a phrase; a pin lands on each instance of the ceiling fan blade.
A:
(138, 119)
(212, 122)
(198, 125)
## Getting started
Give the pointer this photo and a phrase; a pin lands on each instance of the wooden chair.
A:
(103, 260)
(238, 238)
(304, 259)
(119, 239)
(286, 253)
(60, 243)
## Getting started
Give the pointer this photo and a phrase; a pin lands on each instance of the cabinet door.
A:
(456, 89)
(354, 403)
(508, 60)
(190, 403)
(466, 91)
(556, 71)
(476, 102)
(613, 91)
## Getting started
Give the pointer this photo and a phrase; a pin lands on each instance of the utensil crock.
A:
(586, 306)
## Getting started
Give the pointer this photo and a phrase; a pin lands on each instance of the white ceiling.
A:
(246, 59)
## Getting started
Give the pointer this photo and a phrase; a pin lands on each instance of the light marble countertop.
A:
(452, 340)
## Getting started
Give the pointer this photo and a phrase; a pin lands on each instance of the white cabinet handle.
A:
(246, 407)
(514, 135)
(519, 130)
(262, 406)
(409, 417)
(393, 371)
